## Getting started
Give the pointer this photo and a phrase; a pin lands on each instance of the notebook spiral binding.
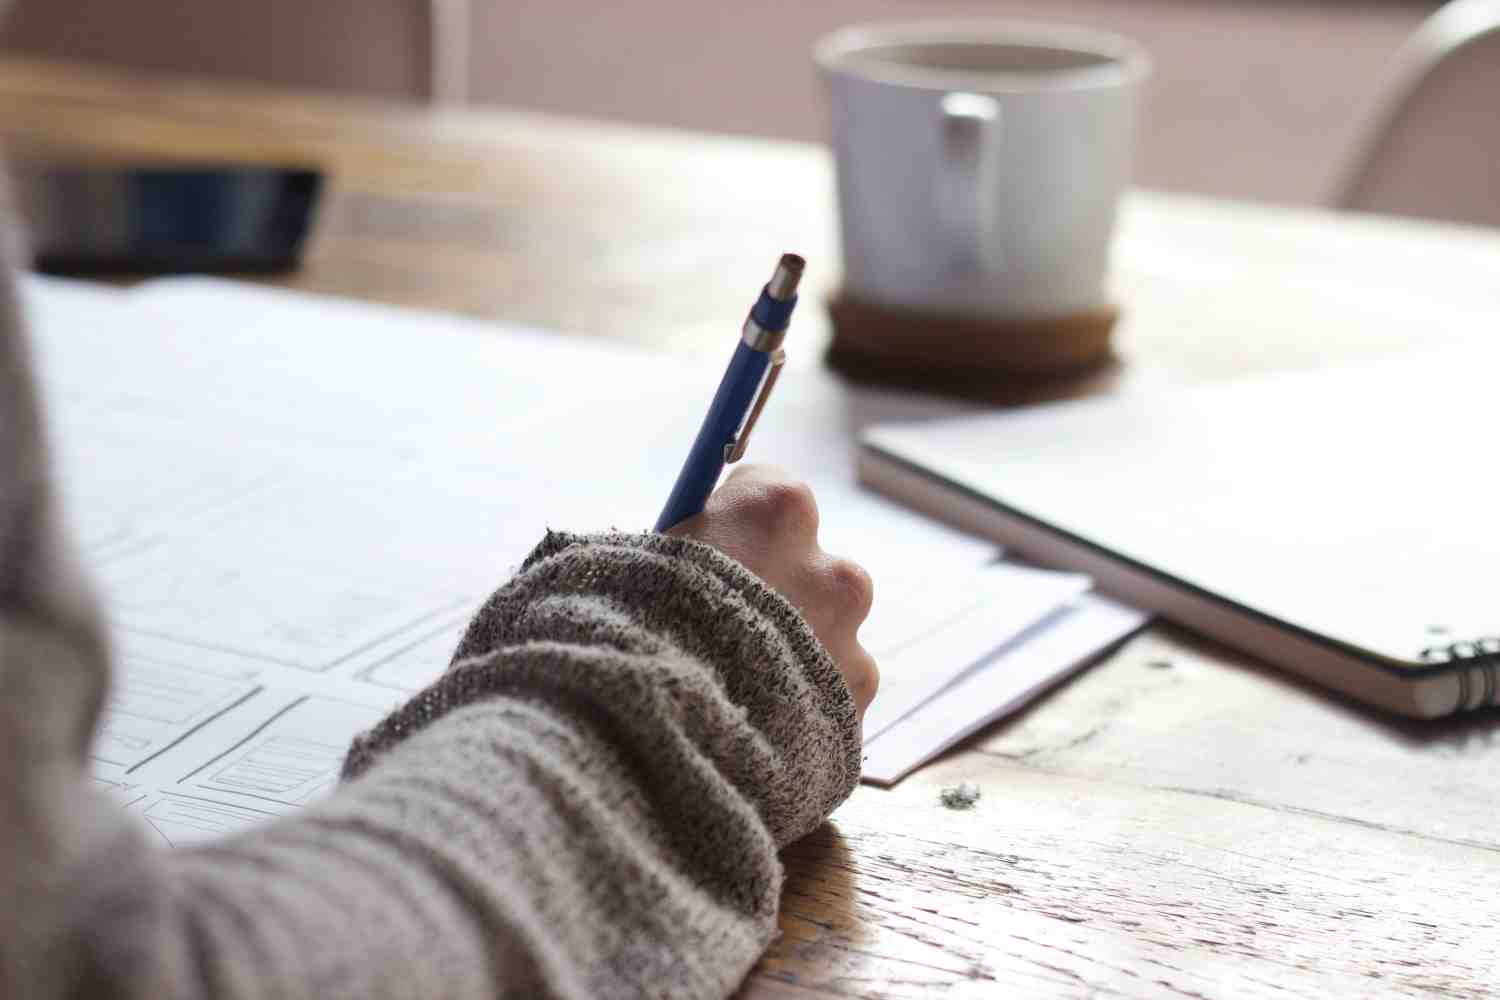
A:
(1477, 656)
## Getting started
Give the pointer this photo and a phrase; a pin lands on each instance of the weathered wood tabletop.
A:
(1178, 821)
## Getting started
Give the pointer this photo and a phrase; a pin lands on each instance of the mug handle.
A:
(966, 180)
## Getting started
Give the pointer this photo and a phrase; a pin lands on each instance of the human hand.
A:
(769, 523)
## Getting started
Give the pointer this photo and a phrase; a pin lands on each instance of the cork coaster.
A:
(920, 347)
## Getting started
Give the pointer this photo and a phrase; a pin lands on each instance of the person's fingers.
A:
(837, 602)
(851, 590)
(859, 671)
(833, 594)
(735, 493)
(762, 519)
(781, 510)
(768, 521)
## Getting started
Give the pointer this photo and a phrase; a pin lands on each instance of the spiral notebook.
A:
(1342, 524)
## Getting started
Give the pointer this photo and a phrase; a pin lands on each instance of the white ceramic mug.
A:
(980, 162)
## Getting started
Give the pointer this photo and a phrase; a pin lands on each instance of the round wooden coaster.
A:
(885, 340)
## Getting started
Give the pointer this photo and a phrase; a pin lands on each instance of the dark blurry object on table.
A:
(166, 219)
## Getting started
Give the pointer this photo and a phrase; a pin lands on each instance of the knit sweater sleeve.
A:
(588, 803)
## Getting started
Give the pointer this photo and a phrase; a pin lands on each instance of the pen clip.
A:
(735, 449)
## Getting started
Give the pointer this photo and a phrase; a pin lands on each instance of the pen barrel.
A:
(700, 473)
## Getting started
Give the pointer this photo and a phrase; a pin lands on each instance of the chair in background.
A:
(1431, 147)
(388, 48)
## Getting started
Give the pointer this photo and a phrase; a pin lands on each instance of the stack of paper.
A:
(936, 702)
(293, 504)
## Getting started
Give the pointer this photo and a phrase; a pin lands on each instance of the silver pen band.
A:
(758, 338)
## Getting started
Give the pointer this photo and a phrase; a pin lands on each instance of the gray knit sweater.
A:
(588, 804)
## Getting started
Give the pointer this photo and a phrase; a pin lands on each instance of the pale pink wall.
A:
(1251, 99)
(1436, 153)
(377, 47)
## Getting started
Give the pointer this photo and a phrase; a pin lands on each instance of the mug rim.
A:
(1126, 61)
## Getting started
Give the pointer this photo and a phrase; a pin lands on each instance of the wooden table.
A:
(1178, 821)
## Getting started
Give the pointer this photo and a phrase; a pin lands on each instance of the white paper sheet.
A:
(930, 631)
(293, 504)
(1010, 678)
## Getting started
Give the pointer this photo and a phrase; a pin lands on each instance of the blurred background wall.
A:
(376, 47)
(1252, 98)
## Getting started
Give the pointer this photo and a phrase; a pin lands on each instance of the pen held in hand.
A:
(741, 396)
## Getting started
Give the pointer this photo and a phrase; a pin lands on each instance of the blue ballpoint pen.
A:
(737, 405)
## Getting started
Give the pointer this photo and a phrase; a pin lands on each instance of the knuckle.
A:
(789, 505)
(854, 590)
(864, 678)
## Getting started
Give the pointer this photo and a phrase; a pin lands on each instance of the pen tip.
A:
(783, 284)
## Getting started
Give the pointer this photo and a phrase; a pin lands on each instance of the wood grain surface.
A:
(1178, 821)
